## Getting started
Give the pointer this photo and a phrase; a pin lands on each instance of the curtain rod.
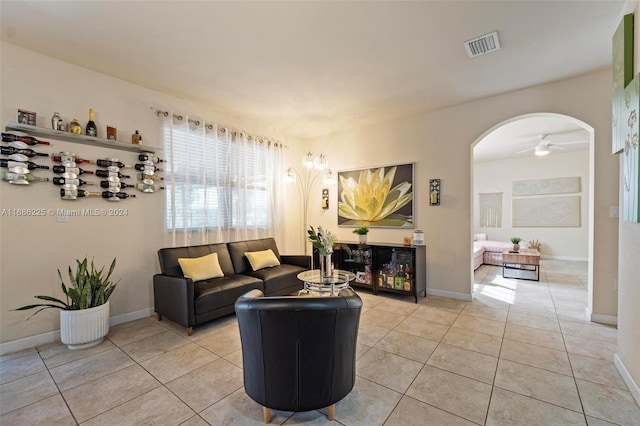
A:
(223, 129)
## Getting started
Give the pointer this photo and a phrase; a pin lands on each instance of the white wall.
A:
(628, 351)
(32, 248)
(440, 144)
(497, 176)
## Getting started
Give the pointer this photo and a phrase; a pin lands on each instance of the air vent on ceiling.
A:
(483, 44)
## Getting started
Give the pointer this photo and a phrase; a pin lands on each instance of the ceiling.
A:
(518, 139)
(306, 69)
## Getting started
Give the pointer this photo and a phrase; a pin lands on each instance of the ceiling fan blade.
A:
(525, 150)
(571, 142)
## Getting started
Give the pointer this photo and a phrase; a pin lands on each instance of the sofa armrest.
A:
(173, 298)
(301, 260)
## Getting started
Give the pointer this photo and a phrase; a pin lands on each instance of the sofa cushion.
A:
(278, 278)
(237, 250)
(262, 259)
(224, 291)
(201, 268)
(169, 257)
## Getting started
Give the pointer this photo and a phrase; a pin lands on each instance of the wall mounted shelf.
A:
(81, 139)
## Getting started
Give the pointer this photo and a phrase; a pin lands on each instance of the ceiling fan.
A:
(544, 146)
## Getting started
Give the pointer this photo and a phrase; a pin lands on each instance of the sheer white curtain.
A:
(221, 184)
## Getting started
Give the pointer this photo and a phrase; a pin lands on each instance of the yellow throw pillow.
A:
(201, 268)
(262, 259)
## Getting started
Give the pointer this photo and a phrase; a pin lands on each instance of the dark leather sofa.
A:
(298, 353)
(192, 303)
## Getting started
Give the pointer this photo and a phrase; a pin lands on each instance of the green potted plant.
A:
(516, 243)
(84, 316)
(362, 234)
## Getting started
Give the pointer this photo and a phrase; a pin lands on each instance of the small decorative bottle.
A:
(56, 121)
(75, 127)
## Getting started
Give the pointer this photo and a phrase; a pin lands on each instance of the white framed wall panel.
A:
(546, 212)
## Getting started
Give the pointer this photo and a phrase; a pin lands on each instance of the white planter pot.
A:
(362, 238)
(84, 328)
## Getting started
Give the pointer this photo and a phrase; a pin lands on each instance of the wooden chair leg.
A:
(267, 414)
(189, 331)
(332, 411)
(159, 316)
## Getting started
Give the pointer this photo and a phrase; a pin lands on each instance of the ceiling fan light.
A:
(541, 150)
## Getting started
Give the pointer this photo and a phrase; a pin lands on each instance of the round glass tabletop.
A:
(337, 277)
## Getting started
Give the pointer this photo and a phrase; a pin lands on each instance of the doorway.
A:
(504, 158)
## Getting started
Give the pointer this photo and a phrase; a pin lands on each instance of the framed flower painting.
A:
(376, 197)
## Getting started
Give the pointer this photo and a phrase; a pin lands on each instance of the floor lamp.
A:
(312, 168)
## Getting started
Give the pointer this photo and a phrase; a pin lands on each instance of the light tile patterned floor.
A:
(521, 353)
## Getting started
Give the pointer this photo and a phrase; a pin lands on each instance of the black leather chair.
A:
(298, 353)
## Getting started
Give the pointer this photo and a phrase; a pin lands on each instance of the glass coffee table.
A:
(333, 284)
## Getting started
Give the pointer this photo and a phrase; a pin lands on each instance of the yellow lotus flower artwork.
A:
(374, 199)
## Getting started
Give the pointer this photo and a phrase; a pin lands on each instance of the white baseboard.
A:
(599, 318)
(628, 378)
(130, 316)
(54, 336)
(450, 294)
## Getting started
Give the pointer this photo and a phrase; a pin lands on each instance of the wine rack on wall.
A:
(145, 170)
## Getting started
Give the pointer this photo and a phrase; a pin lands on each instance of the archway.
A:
(538, 118)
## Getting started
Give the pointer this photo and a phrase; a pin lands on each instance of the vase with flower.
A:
(323, 241)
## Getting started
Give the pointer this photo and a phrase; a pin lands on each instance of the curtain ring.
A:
(179, 117)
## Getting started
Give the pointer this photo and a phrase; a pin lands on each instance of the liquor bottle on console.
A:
(120, 195)
(70, 181)
(16, 177)
(65, 169)
(8, 150)
(107, 173)
(91, 129)
(28, 164)
(29, 140)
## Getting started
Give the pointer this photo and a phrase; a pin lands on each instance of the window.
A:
(217, 179)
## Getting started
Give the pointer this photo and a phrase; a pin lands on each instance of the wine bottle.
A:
(144, 187)
(71, 192)
(15, 177)
(111, 163)
(108, 184)
(68, 156)
(8, 150)
(107, 173)
(150, 157)
(120, 195)
(70, 181)
(91, 129)
(65, 169)
(143, 177)
(147, 168)
(29, 140)
(28, 164)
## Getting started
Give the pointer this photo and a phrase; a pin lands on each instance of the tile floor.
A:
(520, 353)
